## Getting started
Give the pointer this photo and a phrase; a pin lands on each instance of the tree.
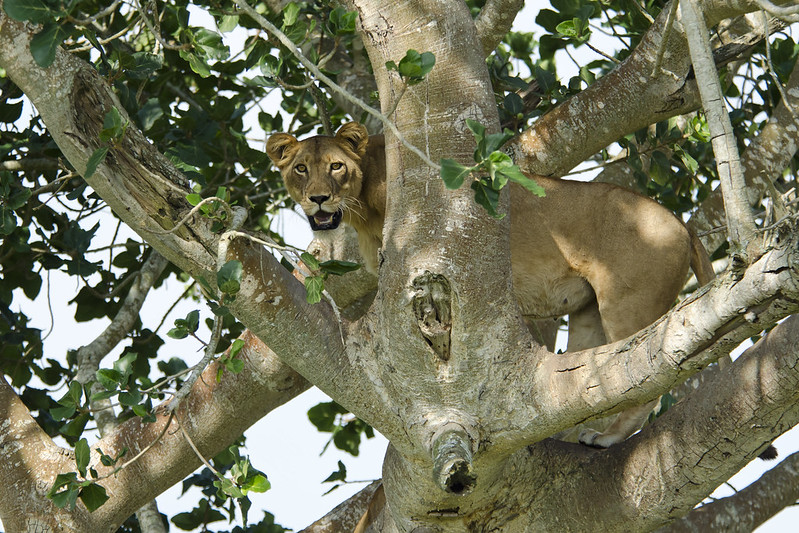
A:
(148, 110)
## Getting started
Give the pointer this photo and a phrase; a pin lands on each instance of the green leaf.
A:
(8, 222)
(491, 143)
(130, 398)
(93, 496)
(342, 22)
(258, 483)
(227, 488)
(348, 438)
(234, 365)
(339, 475)
(323, 415)
(210, 43)
(228, 23)
(97, 157)
(68, 497)
(193, 321)
(35, 11)
(290, 13)
(18, 198)
(310, 261)
(45, 43)
(114, 126)
(476, 128)
(487, 197)
(228, 279)
(73, 395)
(145, 64)
(177, 333)
(414, 66)
(82, 456)
(314, 285)
(197, 64)
(149, 113)
(61, 413)
(75, 427)
(514, 174)
(453, 173)
(124, 365)
(236, 347)
(337, 267)
(567, 28)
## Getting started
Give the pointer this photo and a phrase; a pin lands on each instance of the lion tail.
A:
(700, 261)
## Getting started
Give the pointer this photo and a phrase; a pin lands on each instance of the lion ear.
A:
(278, 145)
(355, 135)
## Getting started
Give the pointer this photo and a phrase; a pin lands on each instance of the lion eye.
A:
(301, 169)
(336, 166)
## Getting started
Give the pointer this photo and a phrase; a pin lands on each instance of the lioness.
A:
(611, 259)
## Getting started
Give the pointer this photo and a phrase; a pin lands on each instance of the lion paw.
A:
(592, 437)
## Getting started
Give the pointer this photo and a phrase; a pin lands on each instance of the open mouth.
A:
(323, 220)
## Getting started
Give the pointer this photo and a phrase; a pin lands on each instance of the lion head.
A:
(322, 174)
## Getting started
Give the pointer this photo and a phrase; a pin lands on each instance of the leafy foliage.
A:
(202, 100)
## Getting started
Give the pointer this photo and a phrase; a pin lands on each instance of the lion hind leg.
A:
(627, 423)
(585, 328)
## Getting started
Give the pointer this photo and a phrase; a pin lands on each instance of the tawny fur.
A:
(611, 259)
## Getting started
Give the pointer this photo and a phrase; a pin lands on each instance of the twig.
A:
(140, 454)
(197, 452)
(787, 12)
(271, 28)
(771, 71)
(210, 350)
(224, 204)
(89, 20)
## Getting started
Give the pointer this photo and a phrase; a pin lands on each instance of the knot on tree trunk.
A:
(432, 305)
(452, 460)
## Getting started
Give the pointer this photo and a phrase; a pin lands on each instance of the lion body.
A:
(611, 259)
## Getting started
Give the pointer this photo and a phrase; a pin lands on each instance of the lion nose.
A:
(319, 199)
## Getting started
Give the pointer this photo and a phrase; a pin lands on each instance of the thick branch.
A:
(29, 462)
(149, 194)
(621, 102)
(348, 514)
(749, 508)
(674, 460)
(264, 384)
(610, 378)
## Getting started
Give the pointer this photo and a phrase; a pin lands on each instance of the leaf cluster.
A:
(489, 160)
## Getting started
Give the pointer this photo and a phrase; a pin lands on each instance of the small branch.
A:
(495, 20)
(210, 350)
(740, 221)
